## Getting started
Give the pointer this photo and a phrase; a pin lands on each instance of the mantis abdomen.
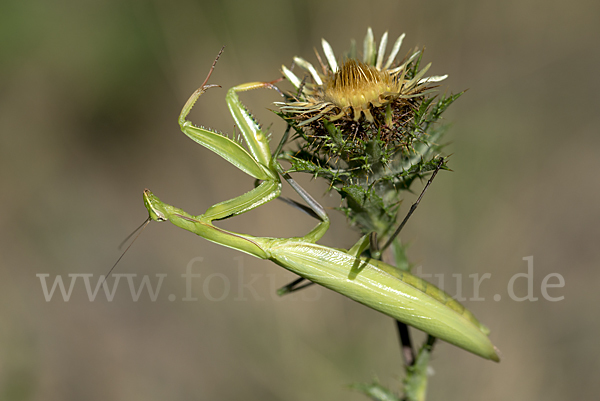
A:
(380, 286)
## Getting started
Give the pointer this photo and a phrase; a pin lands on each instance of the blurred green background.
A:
(89, 97)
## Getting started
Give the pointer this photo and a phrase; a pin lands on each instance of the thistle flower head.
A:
(357, 90)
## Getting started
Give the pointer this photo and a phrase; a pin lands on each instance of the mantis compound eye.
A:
(154, 206)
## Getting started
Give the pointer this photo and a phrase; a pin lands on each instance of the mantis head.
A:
(157, 213)
(155, 207)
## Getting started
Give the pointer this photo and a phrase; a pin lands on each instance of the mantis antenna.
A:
(139, 231)
(141, 227)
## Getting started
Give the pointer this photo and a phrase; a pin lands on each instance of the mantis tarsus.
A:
(371, 282)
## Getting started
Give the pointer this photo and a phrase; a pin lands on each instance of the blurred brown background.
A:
(89, 97)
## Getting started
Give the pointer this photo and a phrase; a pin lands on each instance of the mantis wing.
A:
(382, 287)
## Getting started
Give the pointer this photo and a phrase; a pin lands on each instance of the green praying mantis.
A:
(371, 282)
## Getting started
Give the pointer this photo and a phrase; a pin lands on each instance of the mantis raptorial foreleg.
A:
(256, 164)
(368, 281)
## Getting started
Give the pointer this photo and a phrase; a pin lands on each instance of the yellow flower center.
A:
(358, 85)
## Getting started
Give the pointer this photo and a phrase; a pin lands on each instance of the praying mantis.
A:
(371, 282)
